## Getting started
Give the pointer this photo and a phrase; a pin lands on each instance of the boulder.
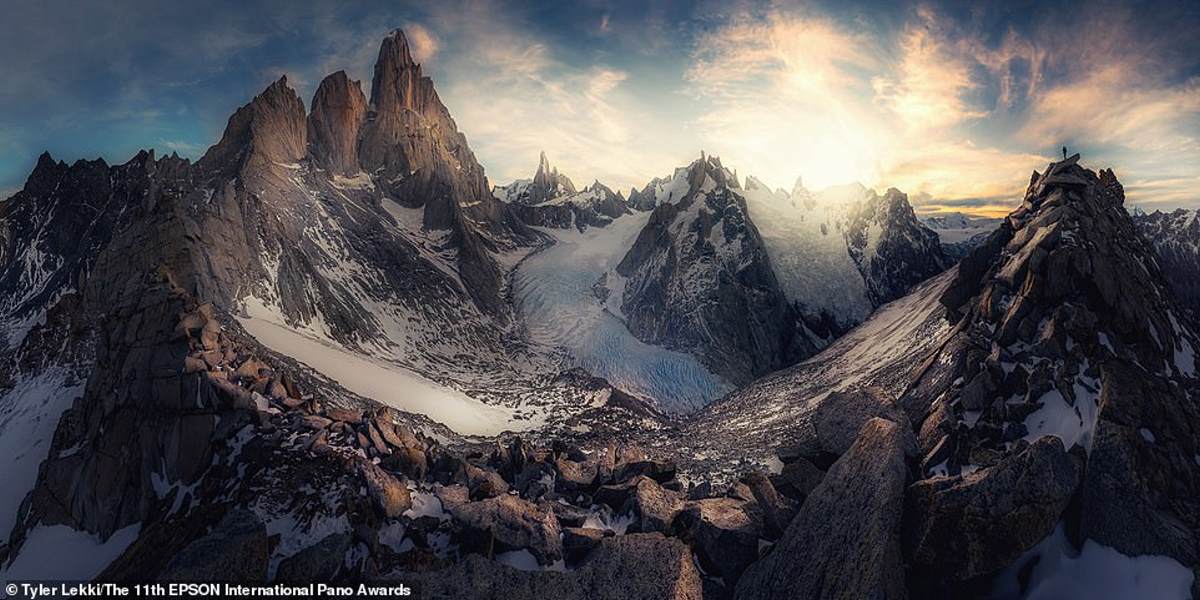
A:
(617, 494)
(573, 476)
(660, 471)
(535, 479)
(653, 508)
(724, 533)
(777, 510)
(841, 415)
(399, 436)
(483, 483)
(409, 461)
(235, 551)
(345, 415)
(958, 528)
(798, 479)
(509, 523)
(845, 539)
(389, 493)
(578, 542)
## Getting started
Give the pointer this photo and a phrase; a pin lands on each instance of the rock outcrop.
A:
(1175, 239)
(845, 541)
(633, 566)
(1066, 328)
(698, 280)
(962, 527)
(338, 111)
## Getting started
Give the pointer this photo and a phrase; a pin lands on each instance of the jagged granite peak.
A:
(412, 148)
(893, 250)
(698, 279)
(338, 111)
(594, 206)
(1065, 327)
(52, 230)
(548, 183)
(270, 130)
(1175, 238)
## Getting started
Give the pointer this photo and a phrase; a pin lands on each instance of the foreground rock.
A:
(959, 528)
(234, 552)
(510, 523)
(845, 541)
(645, 565)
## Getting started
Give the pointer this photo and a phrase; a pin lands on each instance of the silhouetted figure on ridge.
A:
(1064, 153)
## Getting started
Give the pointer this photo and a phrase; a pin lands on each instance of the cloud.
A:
(422, 43)
(932, 81)
(955, 115)
(186, 149)
(513, 95)
(797, 94)
(783, 98)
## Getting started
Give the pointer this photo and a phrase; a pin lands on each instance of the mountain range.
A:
(331, 350)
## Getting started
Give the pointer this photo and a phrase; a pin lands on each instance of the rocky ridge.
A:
(698, 260)
(1175, 238)
(551, 200)
(1064, 328)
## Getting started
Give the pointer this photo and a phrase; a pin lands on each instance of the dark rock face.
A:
(413, 144)
(724, 534)
(1064, 311)
(631, 566)
(1175, 239)
(507, 522)
(53, 230)
(845, 541)
(235, 552)
(1138, 492)
(320, 562)
(893, 250)
(268, 131)
(958, 528)
(338, 111)
(699, 281)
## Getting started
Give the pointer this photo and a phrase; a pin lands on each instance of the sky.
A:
(954, 103)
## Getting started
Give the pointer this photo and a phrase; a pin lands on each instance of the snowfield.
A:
(387, 383)
(59, 553)
(29, 414)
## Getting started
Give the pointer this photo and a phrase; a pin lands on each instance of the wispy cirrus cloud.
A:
(955, 115)
(954, 104)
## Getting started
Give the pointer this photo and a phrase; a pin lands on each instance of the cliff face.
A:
(698, 279)
(142, 267)
(1175, 238)
(1065, 327)
(338, 112)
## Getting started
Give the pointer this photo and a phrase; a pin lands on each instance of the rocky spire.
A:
(398, 83)
(270, 129)
(338, 111)
(548, 182)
